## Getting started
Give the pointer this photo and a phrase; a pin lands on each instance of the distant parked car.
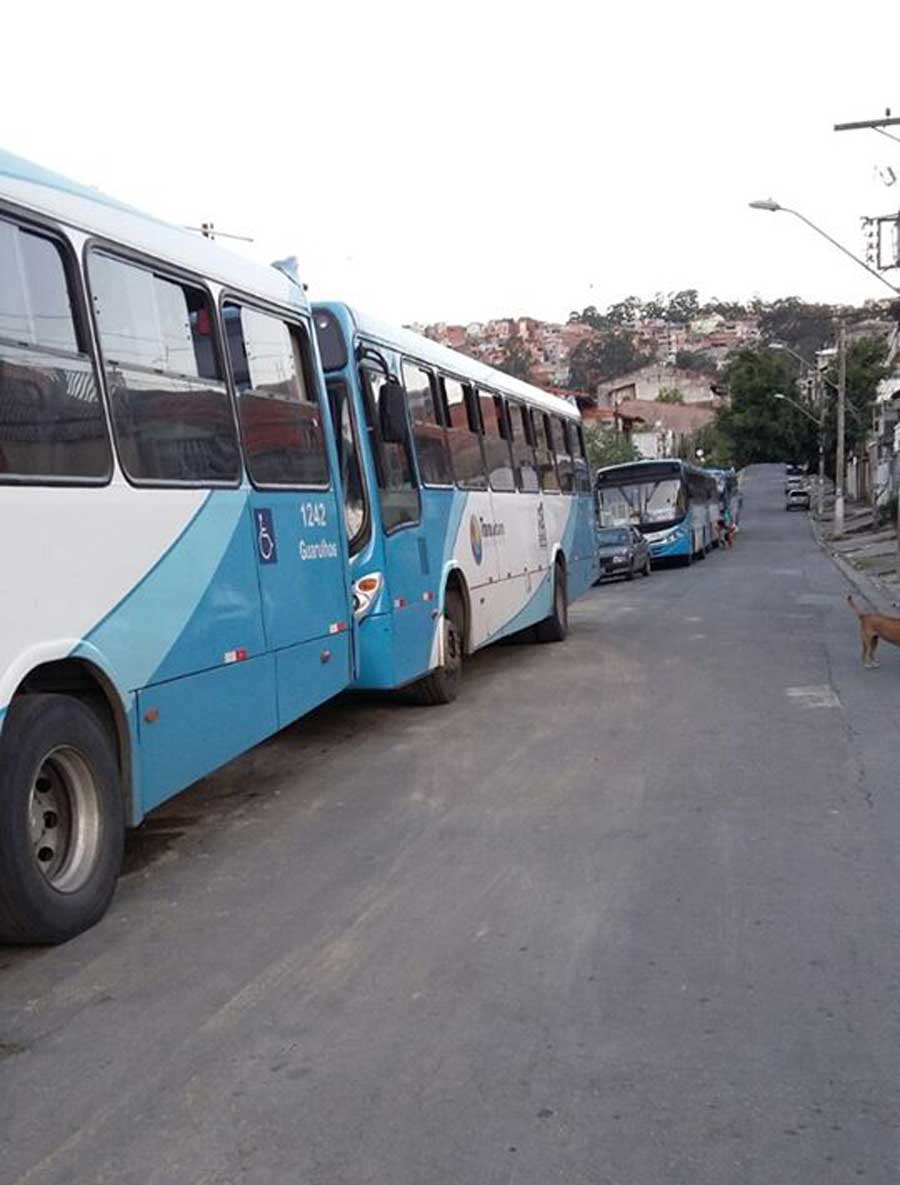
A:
(797, 498)
(623, 551)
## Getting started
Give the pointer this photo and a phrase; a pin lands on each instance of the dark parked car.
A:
(797, 498)
(623, 551)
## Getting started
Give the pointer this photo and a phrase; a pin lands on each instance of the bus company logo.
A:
(541, 526)
(475, 538)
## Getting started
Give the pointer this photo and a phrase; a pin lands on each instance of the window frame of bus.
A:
(560, 425)
(293, 322)
(376, 444)
(500, 411)
(543, 417)
(79, 302)
(178, 275)
(585, 470)
(473, 425)
(357, 542)
(440, 422)
(518, 408)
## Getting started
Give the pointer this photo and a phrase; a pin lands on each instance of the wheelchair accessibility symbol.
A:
(265, 536)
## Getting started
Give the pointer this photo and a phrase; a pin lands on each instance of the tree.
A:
(606, 446)
(731, 310)
(802, 326)
(683, 306)
(604, 358)
(754, 426)
(516, 358)
(669, 395)
(696, 361)
(624, 312)
(589, 316)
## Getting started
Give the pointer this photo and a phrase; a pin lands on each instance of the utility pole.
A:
(819, 400)
(839, 459)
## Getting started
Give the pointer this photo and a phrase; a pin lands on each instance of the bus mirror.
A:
(392, 412)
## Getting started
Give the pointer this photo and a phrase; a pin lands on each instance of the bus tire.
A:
(555, 627)
(687, 560)
(62, 820)
(441, 686)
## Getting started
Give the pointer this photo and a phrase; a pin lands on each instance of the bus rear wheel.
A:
(62, 821)
(441, 686)
(555, 627)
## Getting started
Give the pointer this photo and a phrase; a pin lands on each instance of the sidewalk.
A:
(866, 554)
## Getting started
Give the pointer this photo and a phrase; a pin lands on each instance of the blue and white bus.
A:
(183, 571)
(673, 504)
(468, 501)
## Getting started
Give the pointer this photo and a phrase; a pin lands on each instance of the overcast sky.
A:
(458, 162)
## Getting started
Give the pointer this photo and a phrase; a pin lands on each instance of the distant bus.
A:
(673, 504)
(468, 502)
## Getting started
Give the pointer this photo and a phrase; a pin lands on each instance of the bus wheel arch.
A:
(62, 823)
(555, 625)
(455, 584)
(87, 682)
(441, 685)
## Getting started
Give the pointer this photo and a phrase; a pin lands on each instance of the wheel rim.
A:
(452, 647)
(64, 819)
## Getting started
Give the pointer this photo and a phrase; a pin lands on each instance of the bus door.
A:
(523, 543)
(410, 574)
(294, 508)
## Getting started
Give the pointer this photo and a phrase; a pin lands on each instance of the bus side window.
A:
(582, 469)
(355, 509)
(171, 412)
(51, 421)
(523, 453)
(428, 430)
(497, 458)
(463, 435)
(564, 451)
(279, 413)
(399, 494)
(543, 450)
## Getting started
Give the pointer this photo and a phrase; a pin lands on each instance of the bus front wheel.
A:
(441, 686)
(555, 627)
(62, 821)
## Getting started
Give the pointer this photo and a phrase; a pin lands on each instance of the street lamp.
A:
(820, 424)
(773, 207)
(783, 347)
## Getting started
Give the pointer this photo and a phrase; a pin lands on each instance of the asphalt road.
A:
(628, 912)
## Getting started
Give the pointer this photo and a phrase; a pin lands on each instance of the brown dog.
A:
(873, 626)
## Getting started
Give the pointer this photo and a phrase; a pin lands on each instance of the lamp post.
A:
(820, 424)
(773, 207)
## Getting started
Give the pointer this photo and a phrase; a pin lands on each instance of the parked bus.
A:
(467, 500)
(176, 584)
(674, 505)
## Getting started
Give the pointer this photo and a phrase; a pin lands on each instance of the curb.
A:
(869, 587)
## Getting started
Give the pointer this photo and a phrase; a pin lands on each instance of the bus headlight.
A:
(365, 593)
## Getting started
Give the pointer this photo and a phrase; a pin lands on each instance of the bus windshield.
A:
(652, 504)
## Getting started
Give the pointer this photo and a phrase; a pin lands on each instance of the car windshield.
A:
(612, 537)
